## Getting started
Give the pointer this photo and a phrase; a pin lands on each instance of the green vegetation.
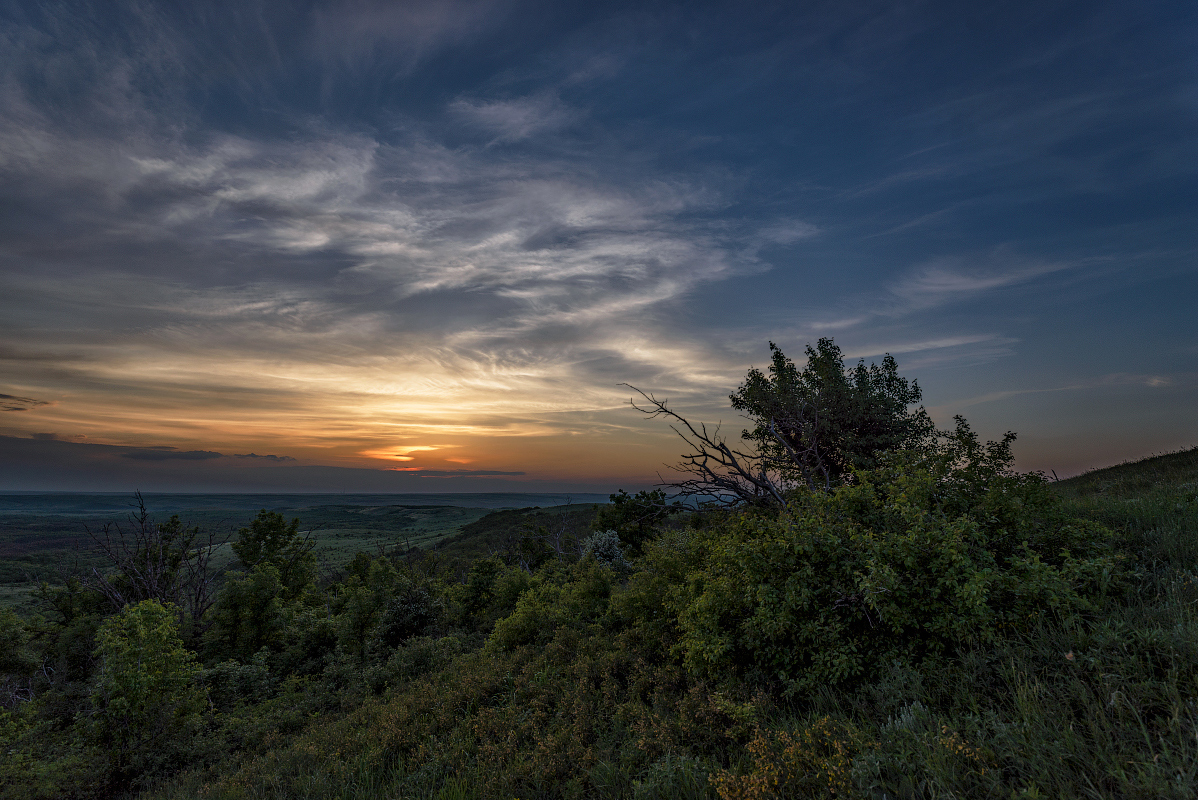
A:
(43, 538)
(816, 425)
(931, 625)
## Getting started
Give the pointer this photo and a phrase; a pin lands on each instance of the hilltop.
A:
(937, 626)
(1170, 471)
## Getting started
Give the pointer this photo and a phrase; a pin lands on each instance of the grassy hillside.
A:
(969, 633)
(1154, 501)
(1170, 473)
(1102, 702)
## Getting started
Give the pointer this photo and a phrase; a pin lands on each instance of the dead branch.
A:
(724, 475)
(149, 561)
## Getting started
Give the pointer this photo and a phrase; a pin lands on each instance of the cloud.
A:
(400, 452)
(468, 277)
(787, 232)
(168, 454)
(344, 272)
(361, 34)
(40, 465)
(947, 280)
(450, 473)
(255, 456)
(10, 402)
(375, 222)
(1111, 380)
(518, 118)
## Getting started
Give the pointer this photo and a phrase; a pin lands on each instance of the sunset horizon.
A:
(423, 247)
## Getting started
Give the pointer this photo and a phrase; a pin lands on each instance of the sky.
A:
(423, 246)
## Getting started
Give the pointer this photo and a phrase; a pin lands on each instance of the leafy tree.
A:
(816, 425)
(271, 540)
(247, 615)
(812, 427)
(635, 517)
(362, 599)
(146, 698)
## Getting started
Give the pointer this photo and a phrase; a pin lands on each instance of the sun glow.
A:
(401, 452)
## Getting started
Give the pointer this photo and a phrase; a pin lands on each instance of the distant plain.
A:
(45, 537)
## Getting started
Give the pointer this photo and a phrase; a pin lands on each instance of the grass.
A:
(1154, 502)
(1099, 705)
(1104, 706)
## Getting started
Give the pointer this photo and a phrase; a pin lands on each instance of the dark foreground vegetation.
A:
(881, 612)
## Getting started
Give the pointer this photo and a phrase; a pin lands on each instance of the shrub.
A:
(908, 561)
(816, 761)
(604, 547)
(146, 698)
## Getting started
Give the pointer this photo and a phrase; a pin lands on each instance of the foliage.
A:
(815, 761)
(817, 425)
(635, 518)
(604, 547)
(905, 562)
(146, 698)
(247, 615)
(271, 541)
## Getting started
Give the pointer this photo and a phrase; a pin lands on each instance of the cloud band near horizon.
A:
(346, 228)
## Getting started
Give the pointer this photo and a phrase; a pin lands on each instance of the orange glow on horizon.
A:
(399, 453)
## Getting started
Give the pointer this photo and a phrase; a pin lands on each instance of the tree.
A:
(248, 612)
(152, 561)
(270, 540)
(247, 615)
(812, 427)
(147, 702)
(635, 517)
(818, 424)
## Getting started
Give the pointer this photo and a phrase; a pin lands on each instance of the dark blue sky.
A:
(437, 237)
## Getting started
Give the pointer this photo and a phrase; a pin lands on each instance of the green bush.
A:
(572, 597)
(907, 561)
(147, 700)
(247, 615)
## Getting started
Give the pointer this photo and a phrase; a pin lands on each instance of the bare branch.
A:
(148, 561)
(724, 475)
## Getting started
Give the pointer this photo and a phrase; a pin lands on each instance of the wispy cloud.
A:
(950, 279)
(362, 34)
(514, 119)
(455, 273)
(1109, 381)
(10, 402)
